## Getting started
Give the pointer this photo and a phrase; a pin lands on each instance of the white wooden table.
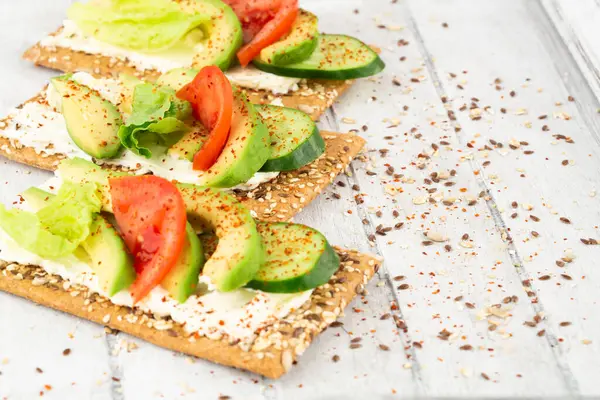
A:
(463, 78)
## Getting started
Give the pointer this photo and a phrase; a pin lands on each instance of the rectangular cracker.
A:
(277, 200)
(313, 97)
(267, 355)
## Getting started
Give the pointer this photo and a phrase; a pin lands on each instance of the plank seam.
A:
(550, 337)
(369, 229)
(116, 386)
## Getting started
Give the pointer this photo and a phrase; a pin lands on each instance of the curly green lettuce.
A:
(142, 25)
(156, 119)
(57, 229)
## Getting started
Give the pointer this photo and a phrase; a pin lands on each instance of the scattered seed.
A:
(335, 358)
(356, 340)
(534, 218)
(466, 347)
(565, 220)
(567, 277)
(404, 286)
(485, 376)
(544, 277)
(565, 323)
(355, 346)
(336, 324)
(541, 333)
(399, 278)
(66, 352)
(384, 347)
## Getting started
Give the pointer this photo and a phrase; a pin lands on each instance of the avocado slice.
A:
(190, 143)
(109, 257)
(182, 280)
(223, 33)
(247, 149)
(177, 78)
(239, 253)
(297, 45)
(92, 122)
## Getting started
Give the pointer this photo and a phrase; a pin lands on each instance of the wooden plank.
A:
(514, 42)
(482, 275)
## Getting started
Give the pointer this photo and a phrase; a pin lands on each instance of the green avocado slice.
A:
(247, 149)
(92, 122)
(223, 33)
(182, 280)
(239, 253)
(297, 45)
(109, 257)
(177, 78)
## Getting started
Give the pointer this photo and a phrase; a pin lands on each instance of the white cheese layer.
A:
(72, 37)
(239, 313)
(40, 126)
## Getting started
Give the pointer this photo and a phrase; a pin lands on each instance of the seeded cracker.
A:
(268, 355)
(277, 200)
(313, 97)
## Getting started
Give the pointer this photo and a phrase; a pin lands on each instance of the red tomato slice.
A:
(271, 32)
(212, 101)
(151, 216)
(254, 14)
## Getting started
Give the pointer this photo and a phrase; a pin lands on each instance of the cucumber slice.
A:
(295, 139)
(298, 258)
(336, 57)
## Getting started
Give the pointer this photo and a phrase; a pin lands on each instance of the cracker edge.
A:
(271, 362)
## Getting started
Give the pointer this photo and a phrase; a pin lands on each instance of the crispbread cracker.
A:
(313, 97)
(267, 356)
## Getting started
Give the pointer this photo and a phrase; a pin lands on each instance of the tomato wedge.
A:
(151, 217)
(254, 14)
(271, 32)
(212, 101)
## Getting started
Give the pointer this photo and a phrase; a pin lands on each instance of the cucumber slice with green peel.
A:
(336, 57)
(297, 45)
(299, 258)
(295, 138)
(181, 282)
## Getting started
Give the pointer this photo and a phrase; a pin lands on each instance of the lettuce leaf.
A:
(143, 25)
(155, 120)
(57, 229)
